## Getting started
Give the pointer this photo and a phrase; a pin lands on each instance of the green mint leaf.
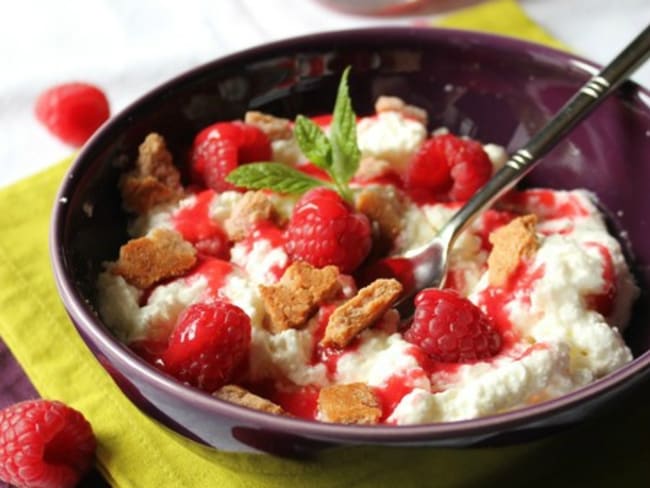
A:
(272, 176)
(313, 142)
(343, 136)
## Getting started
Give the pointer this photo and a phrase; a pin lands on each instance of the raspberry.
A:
(44, 444)
(150, 350)
(72, 111)
(220, 147)
(324, 230)
(209, 342)
(446, 163)
(429, 168)
(451, 329)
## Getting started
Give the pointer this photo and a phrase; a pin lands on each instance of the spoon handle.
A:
(576, 109)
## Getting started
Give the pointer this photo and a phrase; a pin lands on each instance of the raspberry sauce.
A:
(603, 302)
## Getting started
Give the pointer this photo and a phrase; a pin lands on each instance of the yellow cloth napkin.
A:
(135, 452)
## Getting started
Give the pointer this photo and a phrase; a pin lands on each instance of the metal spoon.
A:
(429, 262)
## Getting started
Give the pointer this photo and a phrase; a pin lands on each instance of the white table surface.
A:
(128, 46)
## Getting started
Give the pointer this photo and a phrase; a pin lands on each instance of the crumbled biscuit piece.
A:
(241, 396)
(141, 193)
(511, 243)
(361, 311)
(161, 254)
(250, 209)
(383, 206)
(154, 180)
(370, 168)
(395, 104)
(294, 299)
(354, 403)
(274, 127)
(155, 160)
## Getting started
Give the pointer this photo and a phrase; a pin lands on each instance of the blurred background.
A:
(127, 47)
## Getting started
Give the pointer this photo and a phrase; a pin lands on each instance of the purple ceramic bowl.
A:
(496, 89)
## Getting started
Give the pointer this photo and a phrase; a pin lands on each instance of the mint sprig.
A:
(343, 136)
(313, 142)
(273, 176)
(338, 155)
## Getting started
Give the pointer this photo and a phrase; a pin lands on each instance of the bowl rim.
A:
(88, 323)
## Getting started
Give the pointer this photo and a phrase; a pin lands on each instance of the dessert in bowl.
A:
(553, 365)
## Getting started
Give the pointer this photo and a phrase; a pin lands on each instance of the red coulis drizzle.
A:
(193, 221)
(492, 220)
(329, 356)
(493, 300)
(392, 392)
(548, 204)
(323, 120)
(311, 169)
(265, 230)
(300, 401)
(214, 270)
(603, 302)
(398, 386)
(195, 225)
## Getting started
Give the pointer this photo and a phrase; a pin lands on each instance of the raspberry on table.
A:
(325, 230)
(72, 111)
(451, 329)
(221, 147)
(449, 164)
(44, 444)
(209, 342)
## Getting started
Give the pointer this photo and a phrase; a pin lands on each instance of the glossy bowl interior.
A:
(495, 89)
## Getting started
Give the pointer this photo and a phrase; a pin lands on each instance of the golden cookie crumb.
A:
(294, 299)
(141, 193)
(354, 403)
(274, 127)
(253, 207)
(511, 243)
(361, 311)
(154, 180)
(147, 260)
(370, 168)
(383, 206)
(241, 396)
(396, 104)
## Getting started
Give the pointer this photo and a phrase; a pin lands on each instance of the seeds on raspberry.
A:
(452, 329)
(209, 342)
(44, 444)
(429, 168)
(221, 147)
(72, 111)
(325, 230)
(451, 165)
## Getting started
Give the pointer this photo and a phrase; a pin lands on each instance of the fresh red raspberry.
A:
(44, 444)
(209, 342)
(429, 168)
(72, 111)
(220, 147)
(447, 163)
(451, 329)
(325, 230)
(151, 350)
